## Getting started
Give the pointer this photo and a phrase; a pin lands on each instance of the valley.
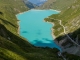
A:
(15, 47)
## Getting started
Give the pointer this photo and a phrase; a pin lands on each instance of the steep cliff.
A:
(29, 4)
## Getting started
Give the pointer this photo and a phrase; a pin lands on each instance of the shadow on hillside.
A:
(14, 40)
(1, 13)
(52, 43)
(6, 22)
(24, 44)
(74, 36)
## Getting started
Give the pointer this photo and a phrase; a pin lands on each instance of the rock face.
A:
(69, 47)
(34, 3)
(29, 4)
(38, 2)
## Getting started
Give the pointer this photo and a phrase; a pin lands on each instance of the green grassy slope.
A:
(68, 21)
(69, 17)
(9, 8)
(56, 4)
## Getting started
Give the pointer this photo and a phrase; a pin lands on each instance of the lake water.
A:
(35, 30)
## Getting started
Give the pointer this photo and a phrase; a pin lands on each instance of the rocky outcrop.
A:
(29, 4)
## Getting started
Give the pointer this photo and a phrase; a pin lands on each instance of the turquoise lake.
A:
(35, 30)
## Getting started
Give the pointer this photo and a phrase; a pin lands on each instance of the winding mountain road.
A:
(67, 34)
(60, 22)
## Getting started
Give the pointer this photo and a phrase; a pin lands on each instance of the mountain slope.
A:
(29, 4)
(38, 2)
(9, 9)
(67, 27)
(56, 4)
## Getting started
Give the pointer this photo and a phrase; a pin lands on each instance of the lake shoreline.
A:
(18, 22)
(37, 10)
(52, 24)
(53, 36)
